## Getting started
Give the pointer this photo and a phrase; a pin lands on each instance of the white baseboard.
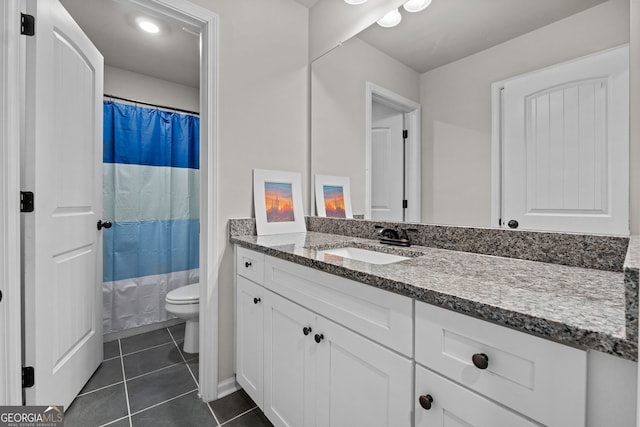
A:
(228, 386)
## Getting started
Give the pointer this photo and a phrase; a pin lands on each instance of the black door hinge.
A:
(26, 201)
(28, 376)
(405, 134)
(27, 24)
(499, 222)
(405, 204)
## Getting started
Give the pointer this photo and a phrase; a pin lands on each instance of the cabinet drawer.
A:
(250, 264)
(539, 378)
(379, 315)
(454, 405)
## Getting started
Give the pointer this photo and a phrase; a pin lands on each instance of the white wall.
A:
(263, 119)
(338, 82)
(149, 89)
(456, 102)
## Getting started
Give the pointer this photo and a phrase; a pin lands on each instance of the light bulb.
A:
(355, 1)
(416, 5)
(148, 26)
(391, 19)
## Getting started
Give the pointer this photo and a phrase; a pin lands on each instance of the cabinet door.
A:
(454, 406)
(249, 333)
(360, 383)
(289, 363)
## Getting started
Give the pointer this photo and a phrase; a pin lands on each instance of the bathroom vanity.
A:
(439, 337)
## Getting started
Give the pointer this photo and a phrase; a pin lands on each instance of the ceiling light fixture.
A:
(355, 1)
(391, 19)
(148, 26)
(416, 5)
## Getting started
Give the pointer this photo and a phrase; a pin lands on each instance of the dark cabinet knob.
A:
(319, 337)
(425, 401)
(247, 264)
(256, 300)
(481, 360)
(513, 224)
(306, 330)
(104, 224)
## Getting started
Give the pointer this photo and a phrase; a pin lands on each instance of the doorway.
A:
(206, 23)
(392, 152)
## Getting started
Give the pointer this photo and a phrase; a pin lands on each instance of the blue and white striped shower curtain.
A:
(151, 194)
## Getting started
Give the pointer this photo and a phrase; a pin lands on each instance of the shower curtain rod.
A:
(135, 101)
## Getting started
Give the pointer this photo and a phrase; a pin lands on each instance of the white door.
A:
(387, 164)
(250, 338)
(62, 165)
(566, 146)
(360, 383)
(289, 371)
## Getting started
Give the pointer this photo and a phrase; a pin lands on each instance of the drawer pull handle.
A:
(306, 330)
(319, 337)
(480, 360)
(256, 300)
(425, 401)
(247, 264)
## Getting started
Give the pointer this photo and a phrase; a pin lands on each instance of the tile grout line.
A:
(114, 421)
(194, 378)
(239, 415)
(183, 359)
(173, 365)
(147, 348)
(86, 393)
(164, 401)
(124, 379)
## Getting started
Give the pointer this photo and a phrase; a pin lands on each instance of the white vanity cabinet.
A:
(320, 341)
(484, 362)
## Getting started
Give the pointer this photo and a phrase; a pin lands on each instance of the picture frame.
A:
(333, 196)
(277, 197)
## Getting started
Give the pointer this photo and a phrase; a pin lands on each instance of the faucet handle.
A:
(404, 234)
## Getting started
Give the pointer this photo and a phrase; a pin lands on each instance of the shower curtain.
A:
(151, 195)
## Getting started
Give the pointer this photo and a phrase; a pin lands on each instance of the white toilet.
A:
(184, 303)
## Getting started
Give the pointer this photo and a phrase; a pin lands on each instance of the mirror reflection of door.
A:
(387, 163)
(565, 146)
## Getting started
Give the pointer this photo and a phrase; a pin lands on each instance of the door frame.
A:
(207, 23)
(10, 248)
(412, 112)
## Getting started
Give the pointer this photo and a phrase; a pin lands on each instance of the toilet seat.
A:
(185, 295)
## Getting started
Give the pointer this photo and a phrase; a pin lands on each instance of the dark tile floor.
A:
(147, 380)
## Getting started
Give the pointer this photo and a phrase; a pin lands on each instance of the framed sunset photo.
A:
(333, 196)
(278, 202)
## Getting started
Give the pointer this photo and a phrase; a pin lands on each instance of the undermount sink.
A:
(364, 255)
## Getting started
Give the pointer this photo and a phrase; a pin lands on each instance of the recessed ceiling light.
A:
(148, 26)
(355, 1)
(391, 19)
(416, 5)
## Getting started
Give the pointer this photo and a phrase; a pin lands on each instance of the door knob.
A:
(247, 264)
(104, 224)
(480, 360)
(306, 330)
(425, 401)
(513, 224)
(319, 337)
(256, 300)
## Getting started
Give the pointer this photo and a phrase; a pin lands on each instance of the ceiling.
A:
(446, 31)
(172, 55)
(449, 30)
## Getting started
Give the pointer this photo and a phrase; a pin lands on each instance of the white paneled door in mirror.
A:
(565, 147)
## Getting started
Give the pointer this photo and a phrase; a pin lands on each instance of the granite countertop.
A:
(581, 307)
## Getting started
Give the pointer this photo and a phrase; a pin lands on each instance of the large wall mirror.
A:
(445, 60)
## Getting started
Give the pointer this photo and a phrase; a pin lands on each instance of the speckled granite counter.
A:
(582, 307)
